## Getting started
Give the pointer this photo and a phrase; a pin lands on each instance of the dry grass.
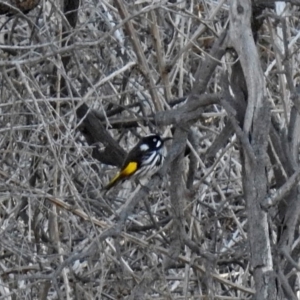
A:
(52, 210)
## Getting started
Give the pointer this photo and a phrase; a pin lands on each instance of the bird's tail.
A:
(113, 182)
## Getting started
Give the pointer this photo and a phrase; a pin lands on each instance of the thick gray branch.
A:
(256, 127)
(243, 42)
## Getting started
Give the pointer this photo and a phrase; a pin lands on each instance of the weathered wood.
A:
(256, 127)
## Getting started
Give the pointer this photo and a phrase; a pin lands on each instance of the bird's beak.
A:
(167, 139)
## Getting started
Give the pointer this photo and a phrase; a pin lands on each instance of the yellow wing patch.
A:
(129, 169)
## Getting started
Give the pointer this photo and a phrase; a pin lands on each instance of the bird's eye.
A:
(155, 140)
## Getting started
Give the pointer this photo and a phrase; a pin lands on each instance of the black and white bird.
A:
(143, 160)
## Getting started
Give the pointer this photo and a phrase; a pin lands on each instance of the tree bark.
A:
(13, 6)
(256, 128)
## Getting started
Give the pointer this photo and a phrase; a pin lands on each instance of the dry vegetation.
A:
(71, 79)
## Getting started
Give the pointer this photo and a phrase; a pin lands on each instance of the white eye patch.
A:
(158, 144)
(144, 147)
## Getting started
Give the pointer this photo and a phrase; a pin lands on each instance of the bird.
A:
(142, 161)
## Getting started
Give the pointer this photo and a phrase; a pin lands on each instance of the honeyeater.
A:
(142, 161)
